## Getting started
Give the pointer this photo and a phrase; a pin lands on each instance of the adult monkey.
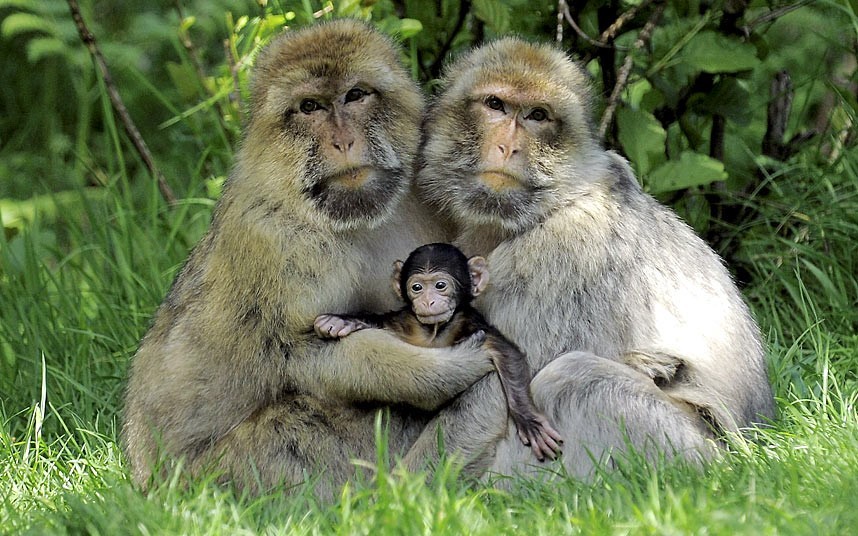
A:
(230, 376)
(658, 348)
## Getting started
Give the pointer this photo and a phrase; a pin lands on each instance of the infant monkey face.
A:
(433, 296)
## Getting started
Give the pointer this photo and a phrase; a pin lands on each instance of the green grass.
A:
(78, 292)
(79, 282)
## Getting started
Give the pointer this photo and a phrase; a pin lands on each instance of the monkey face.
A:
(335, 118)
(503, 138)
(353, 171)
(433, 296)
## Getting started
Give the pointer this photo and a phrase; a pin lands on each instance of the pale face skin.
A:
(432, 296)
(510, 123)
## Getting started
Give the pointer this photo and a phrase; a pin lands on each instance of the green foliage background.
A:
(89, 248)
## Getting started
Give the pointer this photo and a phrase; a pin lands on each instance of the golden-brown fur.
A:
(230, 376)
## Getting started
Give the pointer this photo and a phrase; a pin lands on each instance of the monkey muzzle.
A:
(435, 319)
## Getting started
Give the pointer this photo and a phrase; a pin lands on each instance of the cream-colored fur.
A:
(637, 333)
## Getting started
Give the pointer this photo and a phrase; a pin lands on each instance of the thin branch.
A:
(118, 106)
(772, 15)
(435, 68)
(561, 7)
(185, 39)
(625, 71)
(606, 36)
(232, 62)
(583, 35)
(612, 30)
(716, 137)
(194, 56)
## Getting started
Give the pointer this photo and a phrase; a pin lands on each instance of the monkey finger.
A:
(322, 326)
(551, 444)
(549, 430)
(538, 451)
(342, 331)
(542, 446)
(553, 434)
(522, 435)
(475, 340)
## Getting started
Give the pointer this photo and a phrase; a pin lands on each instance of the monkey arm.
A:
(337, 326)
(330, 326)
(470, 428)
(376, 366)
(533, 428)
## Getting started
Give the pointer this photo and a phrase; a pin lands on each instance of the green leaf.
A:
(17, 3)
(636, 91)
(691, 169)
(715, 53)
(494, 13)
(642, 138)
(41, 47)
(409, 28)
(184, 78)
(728, 98)
(402, 28)
(18, 213)
(19, 23)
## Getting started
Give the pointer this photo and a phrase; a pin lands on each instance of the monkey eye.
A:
(416, 287)
(494, 103)
(538, 114)
(309, 106)
(355, 94)
(441, 285)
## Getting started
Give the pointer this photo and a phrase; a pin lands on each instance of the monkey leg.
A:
(603, 409)
(302, 439)
(469, 429)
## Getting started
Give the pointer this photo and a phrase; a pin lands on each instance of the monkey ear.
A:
(397, 272)
(479, 269)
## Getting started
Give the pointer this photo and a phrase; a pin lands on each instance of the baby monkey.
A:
(438, 284)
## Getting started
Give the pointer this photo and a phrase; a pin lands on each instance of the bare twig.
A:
(772, 15)
(777, 116)
(435, 68)
(608, 34)
(118, 106)
(561, 7)
(583, 35)
(612, 30)
(232, 62)
(716, 137)
(194, 56)
(625, 71)
(185, 39)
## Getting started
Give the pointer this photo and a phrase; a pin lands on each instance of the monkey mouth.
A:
(431, 320)
(500, 181)
(351, 178)
(358, 196)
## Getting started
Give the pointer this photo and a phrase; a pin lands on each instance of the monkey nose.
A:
(343, 146)
(507, 151)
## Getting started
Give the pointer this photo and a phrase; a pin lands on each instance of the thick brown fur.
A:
(638, 334)
(230, 377)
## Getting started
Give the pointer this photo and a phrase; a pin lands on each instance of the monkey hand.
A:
(335, 327)
(475, 340)
(536, 432)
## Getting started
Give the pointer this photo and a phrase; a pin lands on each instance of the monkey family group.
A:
(576, 317)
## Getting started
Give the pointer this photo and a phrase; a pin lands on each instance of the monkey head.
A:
(506, 137)
(437, 279)
(334, 124)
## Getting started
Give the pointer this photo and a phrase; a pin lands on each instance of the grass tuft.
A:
(79, 284)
